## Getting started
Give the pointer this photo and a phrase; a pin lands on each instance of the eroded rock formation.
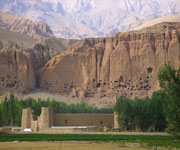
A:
(17, 71)
(125, 65)
(20, 64)
(14, 23)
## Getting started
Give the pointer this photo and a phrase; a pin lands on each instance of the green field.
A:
(150, 140)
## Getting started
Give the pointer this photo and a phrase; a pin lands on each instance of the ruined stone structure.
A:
(48, 119)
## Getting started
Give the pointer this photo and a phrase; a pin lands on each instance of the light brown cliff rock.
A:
(21, 58)
(125, 65)
(17, 72)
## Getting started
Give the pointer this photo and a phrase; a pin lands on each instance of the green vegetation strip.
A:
(162, 141)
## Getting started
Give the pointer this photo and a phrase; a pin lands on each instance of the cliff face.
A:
(20, 63)
(16, 71)
(125, 65)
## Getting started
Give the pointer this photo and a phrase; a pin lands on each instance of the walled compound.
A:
(49, 120)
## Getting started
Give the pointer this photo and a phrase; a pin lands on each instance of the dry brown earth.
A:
(72, 146)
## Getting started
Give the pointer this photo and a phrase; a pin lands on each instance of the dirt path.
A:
(114, 133)
(72, 145)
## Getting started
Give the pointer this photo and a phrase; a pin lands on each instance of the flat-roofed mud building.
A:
(48, 119)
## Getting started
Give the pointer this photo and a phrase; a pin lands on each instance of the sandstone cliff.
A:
(125, 65)
(14, 23)
(21, 58)
(16, 71)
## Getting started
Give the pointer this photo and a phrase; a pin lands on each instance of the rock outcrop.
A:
(20, 63)
(125, 65)
(17, 72)
(14, 23)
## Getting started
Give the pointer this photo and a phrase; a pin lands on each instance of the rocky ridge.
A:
(14, 23)
(125, 65)
(91, 18)
(20, 64)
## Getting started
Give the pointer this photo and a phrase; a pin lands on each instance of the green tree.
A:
(140, 114)
(12, 108)
(169, 80)
(124, 108)
(18, 113)
(1, 113)
(5, 114)
(157, 117)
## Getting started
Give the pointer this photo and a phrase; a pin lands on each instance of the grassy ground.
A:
(148, 140)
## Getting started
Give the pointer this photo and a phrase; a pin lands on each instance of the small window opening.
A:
(65, 121)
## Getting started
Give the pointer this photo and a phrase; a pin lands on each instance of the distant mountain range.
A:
(91, 18)
(170, 18)
(15, 23)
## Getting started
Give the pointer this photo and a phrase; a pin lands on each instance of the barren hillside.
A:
(15, 23)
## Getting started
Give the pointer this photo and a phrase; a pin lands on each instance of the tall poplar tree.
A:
(169, 80)
(12, 108)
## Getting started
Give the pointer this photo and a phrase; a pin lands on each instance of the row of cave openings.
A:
(119, 86)
(8, 82)
(125, 87)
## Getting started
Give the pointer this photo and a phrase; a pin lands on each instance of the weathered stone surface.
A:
(125, 65)
(17, 72)
(20, 63)
(14, 23)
